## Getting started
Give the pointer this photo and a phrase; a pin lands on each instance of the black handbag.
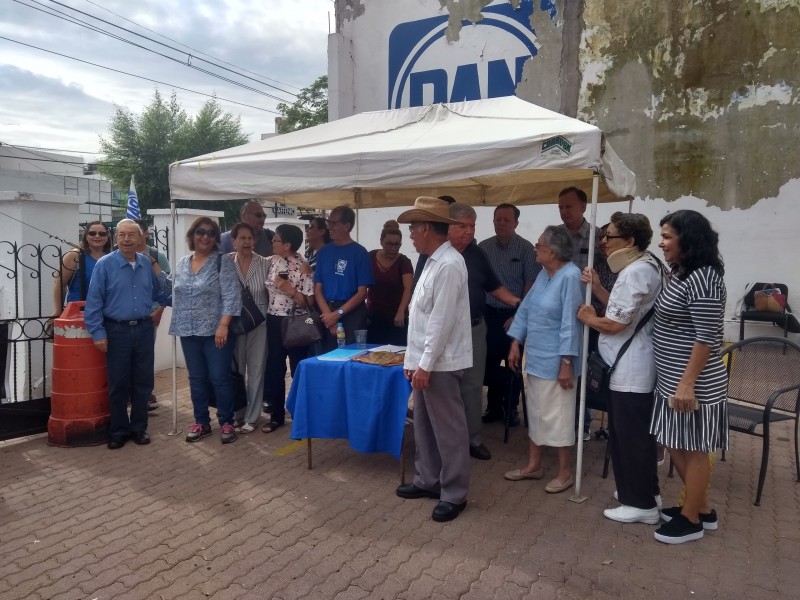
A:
(598, 371)
(250, 317)
(239, 389)
(301, 328)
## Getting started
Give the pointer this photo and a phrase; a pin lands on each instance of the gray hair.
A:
(249, 203)
(459, 210)
(560, 241)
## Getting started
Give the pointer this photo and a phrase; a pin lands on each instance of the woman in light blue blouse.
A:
(546, 323)
(205, 296)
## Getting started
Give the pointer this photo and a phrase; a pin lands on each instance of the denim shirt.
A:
(200, 299)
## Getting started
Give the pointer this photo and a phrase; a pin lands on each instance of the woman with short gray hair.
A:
(546, 323)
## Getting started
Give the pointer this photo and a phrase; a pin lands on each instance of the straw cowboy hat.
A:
(427, 209)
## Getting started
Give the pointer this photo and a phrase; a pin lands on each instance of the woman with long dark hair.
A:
(77, 265)
(690, 416)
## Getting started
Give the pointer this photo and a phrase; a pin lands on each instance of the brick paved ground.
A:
(247, 520)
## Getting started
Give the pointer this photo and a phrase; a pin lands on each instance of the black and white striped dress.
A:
(688, 311)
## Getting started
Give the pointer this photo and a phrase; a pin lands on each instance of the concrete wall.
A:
(40, 172)
(699, 99)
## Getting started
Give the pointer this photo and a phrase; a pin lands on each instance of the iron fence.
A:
(27, 277)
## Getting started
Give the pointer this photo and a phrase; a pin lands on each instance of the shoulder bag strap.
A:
(639, 325)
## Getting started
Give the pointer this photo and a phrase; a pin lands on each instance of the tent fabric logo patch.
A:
(557, 145)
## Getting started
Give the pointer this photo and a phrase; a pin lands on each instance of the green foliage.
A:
(145, 145)
(310, 108)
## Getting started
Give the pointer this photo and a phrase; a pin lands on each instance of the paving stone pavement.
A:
(248, 520)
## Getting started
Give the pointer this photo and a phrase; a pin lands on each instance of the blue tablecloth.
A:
(366, 404)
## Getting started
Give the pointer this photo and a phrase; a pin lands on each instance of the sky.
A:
(49, 101)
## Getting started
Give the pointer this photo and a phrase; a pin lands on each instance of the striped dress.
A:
(688, 311)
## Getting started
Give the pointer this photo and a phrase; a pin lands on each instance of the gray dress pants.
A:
(441, 459)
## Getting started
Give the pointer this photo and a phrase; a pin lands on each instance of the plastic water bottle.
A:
(340, 335)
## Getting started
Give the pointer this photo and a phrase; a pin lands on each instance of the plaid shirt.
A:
(514, 264)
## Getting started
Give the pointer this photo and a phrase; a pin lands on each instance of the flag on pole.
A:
(133, 203)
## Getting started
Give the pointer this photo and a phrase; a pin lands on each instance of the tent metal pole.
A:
(576, 497)
(172, 263)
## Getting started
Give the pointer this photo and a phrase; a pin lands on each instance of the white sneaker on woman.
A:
(631, 514)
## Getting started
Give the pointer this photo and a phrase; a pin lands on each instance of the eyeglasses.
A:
(537, 245)
(200, 232)
(611, 237)
(393, 244)
(97, 233)
(414, 226)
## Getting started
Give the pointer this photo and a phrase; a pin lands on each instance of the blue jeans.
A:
(129, 361)
(209, 375)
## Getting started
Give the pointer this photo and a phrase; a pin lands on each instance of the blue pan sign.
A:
(485, 62)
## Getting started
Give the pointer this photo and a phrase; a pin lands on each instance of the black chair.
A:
(763, 388)
(749, 312)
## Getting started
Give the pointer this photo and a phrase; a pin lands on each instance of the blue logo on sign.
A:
(418, 49)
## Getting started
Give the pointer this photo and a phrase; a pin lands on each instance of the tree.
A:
(145, 145)
(310, 108)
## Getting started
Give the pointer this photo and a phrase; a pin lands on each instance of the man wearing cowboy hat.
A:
(439, 350)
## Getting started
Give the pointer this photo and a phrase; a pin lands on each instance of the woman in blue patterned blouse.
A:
(206, 295)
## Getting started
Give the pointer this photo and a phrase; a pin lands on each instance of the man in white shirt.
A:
(439, 350)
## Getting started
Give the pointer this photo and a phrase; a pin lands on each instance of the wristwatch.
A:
(566, 360)
(341, 312)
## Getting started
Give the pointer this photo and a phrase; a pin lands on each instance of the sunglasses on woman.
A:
(97, 233)
(200, 232)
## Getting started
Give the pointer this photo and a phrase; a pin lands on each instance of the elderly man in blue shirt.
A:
(117, 315)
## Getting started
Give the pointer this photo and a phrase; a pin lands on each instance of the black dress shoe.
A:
(116, 443)
(480, 452)
(447, 511)
(411, 492)
(490, 416)
(141, 438)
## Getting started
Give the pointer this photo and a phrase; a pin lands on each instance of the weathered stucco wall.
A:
(701, 98)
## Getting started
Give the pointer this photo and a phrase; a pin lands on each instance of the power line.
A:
(75, 21)
(50, 149)
(181, 51)
(169, 85)
(48, 234)
(166, 37)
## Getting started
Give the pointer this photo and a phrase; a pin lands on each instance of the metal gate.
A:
(27, 275)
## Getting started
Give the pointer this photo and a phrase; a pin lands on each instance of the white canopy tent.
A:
(482, 152)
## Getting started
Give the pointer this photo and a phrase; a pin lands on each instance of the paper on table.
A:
(342, 354)
(388, 348)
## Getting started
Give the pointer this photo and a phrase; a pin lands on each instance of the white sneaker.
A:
(659, 505)
(630, 514)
